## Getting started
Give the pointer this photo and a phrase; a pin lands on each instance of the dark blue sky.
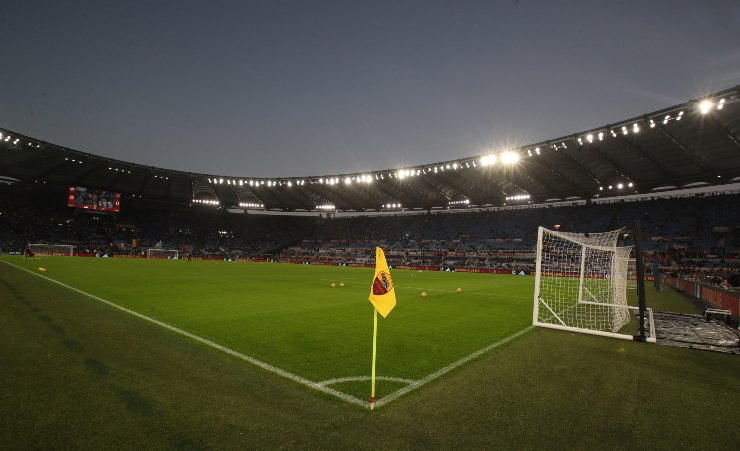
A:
(298, 88)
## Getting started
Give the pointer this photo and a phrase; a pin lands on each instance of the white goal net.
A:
(581, 282)
(155, 252)
(51, 249)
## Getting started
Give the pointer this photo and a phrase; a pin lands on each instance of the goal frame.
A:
(581, 275)
(70, 249)
(151, 250)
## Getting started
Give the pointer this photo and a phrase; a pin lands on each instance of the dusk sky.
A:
(299, 88)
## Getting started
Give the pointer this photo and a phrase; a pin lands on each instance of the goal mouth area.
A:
(592, 314)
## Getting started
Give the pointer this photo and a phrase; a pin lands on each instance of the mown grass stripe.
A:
(265, 366)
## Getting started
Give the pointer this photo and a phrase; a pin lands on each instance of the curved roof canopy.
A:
(694, 143)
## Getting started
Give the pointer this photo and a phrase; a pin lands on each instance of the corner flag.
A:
(382, 295)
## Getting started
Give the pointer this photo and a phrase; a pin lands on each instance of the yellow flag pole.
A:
(375, 337)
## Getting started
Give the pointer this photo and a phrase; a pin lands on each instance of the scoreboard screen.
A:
(93, 199)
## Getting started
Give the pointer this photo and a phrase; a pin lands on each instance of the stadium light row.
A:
(506, 157)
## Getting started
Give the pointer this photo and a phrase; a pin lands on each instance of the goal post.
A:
(581, 283)
(156, 252)
(51, 249)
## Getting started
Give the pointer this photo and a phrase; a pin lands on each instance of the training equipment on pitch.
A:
(459, 290)
(52, 249)
(333, 285)
(423, 294)
(581, 283)
(155, 252)
(42, 269)
(341, 284)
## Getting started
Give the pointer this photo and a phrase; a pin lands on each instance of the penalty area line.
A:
(265, 366)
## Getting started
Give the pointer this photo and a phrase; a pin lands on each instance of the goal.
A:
(581, 283)
(155, 252)
(51, 249)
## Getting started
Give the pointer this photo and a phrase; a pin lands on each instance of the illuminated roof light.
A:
(601, 136)
(680, 114)
(620, 186)
(564, 146)
(635, 128)
(705, 106)
(721, 104)
(666, 119)
(601, 188)
(630, 184)
(537, 149)
(290, 184)
(454, 165)
(610, 187)
(509, 157)
(487, 160)
(347, 181)
(448, 166)
(652, 123)
(580, 141)
(614, 134)
(624, 130)
(220, 181)
(590, 138)
(435, 169)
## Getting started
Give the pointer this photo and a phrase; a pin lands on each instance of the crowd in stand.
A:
(695, 237)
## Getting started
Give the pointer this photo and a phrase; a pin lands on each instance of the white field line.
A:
(340, 380)
(319, 386)
(265, 366)
(413, 386)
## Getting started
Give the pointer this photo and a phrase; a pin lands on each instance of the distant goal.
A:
(51, 249)
(155, 252)
(581, 283)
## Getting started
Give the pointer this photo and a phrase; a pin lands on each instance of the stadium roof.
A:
(696, 143)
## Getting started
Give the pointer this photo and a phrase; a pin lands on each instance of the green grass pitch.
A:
(290, 317)
(77, 373)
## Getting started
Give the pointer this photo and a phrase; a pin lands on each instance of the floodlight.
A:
(601, 136)
(635, 128)
(509, 157)
(347, 181)
(488, 160)
(590, 138)
(721, 104)
(705, 106)
(537, 149)
(624, 130)
(652, 123)
(630, 184)
(620, 186)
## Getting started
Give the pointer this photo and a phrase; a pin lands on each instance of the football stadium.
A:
(579, 292)
(130, 305)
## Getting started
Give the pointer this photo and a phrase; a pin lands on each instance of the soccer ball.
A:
(459, 290)
(333, 285)
(42, 269)
(341, 284)
(423, 295)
